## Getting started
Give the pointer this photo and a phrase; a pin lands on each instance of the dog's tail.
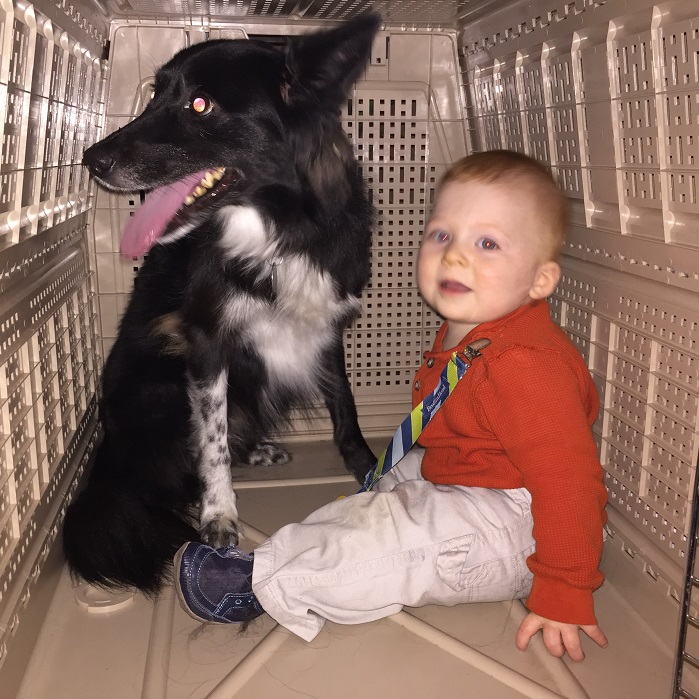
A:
(118, 535)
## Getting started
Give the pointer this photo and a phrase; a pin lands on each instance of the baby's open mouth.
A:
(453, 286)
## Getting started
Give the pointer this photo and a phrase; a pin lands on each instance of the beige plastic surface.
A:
(121, 647)
(604, 90)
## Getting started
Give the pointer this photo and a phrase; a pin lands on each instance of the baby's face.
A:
(481, 254)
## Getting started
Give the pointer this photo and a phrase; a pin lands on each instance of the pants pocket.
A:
(470, 567)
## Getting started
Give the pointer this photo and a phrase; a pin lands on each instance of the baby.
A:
(503, 497)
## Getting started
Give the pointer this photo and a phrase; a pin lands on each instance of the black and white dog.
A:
(257, 230)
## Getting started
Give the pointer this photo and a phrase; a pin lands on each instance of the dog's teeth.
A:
(189, 199)
(199, 191)
(218, 173)
(208, 180)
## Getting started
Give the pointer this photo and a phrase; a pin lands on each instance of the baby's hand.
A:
(559, 638)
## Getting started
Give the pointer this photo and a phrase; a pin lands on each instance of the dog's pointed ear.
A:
(321, 67)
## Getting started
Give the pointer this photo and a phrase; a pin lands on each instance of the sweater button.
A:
(417, 385)
(430, 362)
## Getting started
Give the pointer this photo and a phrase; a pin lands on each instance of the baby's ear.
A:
(546, 280)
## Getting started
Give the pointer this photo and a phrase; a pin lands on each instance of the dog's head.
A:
(229, 111)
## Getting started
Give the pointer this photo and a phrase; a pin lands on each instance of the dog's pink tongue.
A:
(151, 218)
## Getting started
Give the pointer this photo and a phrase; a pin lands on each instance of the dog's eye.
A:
(200, 104)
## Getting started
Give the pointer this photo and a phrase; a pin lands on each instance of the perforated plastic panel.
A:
(609, 99)
(49, 88)
(417, 11)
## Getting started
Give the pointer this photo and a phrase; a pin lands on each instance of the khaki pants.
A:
(410, 543)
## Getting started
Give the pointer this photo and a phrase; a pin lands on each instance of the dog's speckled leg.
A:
(219, 513)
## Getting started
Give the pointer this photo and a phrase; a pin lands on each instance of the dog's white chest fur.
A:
(291, 334)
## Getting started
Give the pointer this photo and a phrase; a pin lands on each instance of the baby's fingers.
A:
(555, 641)
(597, 635)
(529, 626)
(571, 641)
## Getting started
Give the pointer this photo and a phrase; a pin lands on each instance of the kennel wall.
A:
(606, 92)
(51, 79)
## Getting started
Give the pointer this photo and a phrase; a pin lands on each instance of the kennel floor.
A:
(97, 645)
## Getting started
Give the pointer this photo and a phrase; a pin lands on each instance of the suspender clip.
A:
(474, 349)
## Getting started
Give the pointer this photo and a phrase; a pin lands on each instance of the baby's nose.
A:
(454, 256)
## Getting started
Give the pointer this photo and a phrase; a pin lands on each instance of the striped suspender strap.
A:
(410, 429)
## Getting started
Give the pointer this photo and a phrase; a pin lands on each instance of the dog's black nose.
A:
(98, 163)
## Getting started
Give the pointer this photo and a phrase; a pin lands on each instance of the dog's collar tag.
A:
(274, 263)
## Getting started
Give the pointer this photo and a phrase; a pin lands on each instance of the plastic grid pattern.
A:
(405, 123)
(675, 45)
(487, 111)
(49, 88)
(635, 124)
(638, 157)
(417, 11)
(650, 380)
(618, 99)
(48, 378)
(562, 117)
(508, 112)
(598, 164)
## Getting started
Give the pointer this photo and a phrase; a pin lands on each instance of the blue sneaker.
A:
(216, 584)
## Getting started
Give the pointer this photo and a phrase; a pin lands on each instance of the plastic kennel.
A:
(605, 91)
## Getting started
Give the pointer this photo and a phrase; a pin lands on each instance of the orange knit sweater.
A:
(521, 417)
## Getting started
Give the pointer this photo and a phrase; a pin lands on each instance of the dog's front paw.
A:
(219, 532)
(268, 454)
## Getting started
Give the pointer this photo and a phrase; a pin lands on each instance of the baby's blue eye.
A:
(487, 244)
(439, 235)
